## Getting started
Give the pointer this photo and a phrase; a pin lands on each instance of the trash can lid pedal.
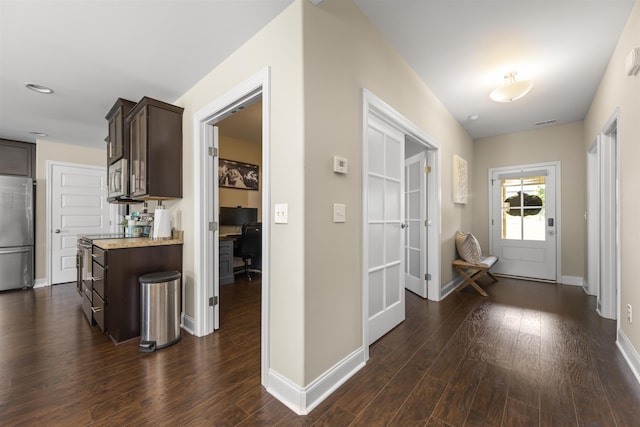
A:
(159, 277)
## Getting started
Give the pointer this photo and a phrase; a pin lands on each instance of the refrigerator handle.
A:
(14, 251)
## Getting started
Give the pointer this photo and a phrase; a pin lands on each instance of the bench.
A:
(472, 272)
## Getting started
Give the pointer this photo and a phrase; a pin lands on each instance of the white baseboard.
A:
(572, 280)
(449, 287)
(188, 324)
(40, 283)
(630, 353)
(303, 400)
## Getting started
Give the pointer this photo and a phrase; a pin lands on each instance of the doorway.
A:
(384, 220)
(206, 276)
(525, 220)
(603, 219)
(76, 204)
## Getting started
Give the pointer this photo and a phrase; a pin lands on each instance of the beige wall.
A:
(315, 113)
(617, 90)
(45, 151)
(279, 47)
(562, 143)
(343, 54)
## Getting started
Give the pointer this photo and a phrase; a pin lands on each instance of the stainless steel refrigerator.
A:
(16, 232)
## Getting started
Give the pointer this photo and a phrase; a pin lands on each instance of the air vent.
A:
(546, 122)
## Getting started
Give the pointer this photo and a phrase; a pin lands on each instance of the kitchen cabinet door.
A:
(118, 139)
(156, 150)
(17, 158)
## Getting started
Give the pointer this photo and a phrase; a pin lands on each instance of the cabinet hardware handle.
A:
(96, 309)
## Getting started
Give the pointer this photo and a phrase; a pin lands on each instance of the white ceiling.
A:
(91, 52)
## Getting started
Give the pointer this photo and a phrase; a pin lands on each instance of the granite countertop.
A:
(135, 242)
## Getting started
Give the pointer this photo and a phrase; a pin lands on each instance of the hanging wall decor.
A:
(460, 185)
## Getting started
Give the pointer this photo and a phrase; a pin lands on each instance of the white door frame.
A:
(608, 294)
(205, 192)
(374, 106)
(558, 207)
(592, 284)
(48, 228)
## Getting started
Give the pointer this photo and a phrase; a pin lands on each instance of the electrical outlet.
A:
(630, 313)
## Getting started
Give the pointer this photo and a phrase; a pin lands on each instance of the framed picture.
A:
(460, 184)
(233, 174)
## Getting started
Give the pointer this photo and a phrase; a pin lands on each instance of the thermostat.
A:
(339, 164)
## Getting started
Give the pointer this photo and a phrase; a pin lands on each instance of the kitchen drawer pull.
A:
(96, 309)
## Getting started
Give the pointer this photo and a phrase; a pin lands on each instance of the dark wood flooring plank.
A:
(519, 414)
(487, 408)
(455, 403)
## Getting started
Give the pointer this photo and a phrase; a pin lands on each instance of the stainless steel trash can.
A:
(160, 310)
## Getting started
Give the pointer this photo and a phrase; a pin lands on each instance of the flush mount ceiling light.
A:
(512, 89)
(38, 88)
(39, 134)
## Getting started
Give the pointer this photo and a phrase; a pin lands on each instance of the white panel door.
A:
(415, 224)
(78, 206)
(384, 216)
(524, 223)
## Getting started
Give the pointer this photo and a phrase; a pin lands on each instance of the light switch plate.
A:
(339, 213)
(340, 164)
(281, 213)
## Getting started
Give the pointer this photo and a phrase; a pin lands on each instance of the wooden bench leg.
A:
(471, 280)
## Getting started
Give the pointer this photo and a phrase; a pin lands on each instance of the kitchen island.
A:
(116, 266)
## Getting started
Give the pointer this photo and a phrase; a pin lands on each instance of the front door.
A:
(384, 215)
(524, 224)
(415, 224)
(78, 205)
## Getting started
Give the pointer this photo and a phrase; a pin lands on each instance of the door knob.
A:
(404, 225)
(57, 231)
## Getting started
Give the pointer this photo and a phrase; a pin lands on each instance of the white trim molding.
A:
(302, 400)
(572, 280)
(629, 353)
(41, 283)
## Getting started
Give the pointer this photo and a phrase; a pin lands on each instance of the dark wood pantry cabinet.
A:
(156, 150)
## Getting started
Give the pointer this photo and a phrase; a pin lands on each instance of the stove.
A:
(91, 237)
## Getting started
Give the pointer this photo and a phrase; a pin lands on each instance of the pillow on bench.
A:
(468, 247)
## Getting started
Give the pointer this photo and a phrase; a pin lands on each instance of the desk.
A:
(225, 260)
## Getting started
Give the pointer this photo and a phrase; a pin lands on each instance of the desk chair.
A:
(250, 244)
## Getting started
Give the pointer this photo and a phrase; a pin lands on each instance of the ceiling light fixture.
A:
(39, 134)
(512, 89)
(38, 88)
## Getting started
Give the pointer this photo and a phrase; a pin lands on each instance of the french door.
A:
(384, 154)
(415, 224)
(524, 223)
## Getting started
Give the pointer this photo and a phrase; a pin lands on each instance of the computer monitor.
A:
(237, 216)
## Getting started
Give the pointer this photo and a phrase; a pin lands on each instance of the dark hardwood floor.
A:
(530, 354)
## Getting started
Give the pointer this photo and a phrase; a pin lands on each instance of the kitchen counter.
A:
(135, 242)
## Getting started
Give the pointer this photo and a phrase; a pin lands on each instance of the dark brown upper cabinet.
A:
(155, 129)
(17, 158)
(118, 139)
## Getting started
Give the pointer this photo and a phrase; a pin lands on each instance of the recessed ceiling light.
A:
(38, 88)
(39, 134)
(474, 117)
